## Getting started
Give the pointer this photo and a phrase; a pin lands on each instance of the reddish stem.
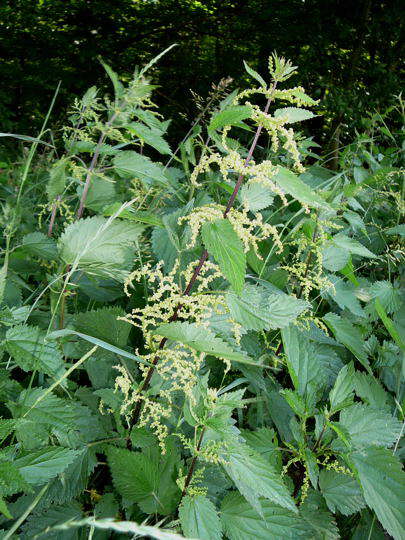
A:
(53, 216)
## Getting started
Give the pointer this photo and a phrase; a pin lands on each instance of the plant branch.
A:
(204, 256)
(92, 166)
(193, 464)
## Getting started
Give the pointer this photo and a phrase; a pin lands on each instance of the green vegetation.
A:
(202, 340)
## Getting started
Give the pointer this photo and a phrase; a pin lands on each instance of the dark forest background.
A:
(348, 52)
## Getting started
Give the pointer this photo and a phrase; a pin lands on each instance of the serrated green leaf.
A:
(264, 442)
(256, 196)
(39, 245)
(370, 390)
(342, 391)
(57, 179)
(255, 75)
(383, 483)
(170, 242)
(399, 229)
(150, 136)
(294, 186)
(4, 509)
(352, 246)
(343, 293)
(201, 339)
(39, 467)
(225, 246)
(315, 512)
(104, 324)
(146, 478)
(334, 258)
(349, 335)
(293, 114)
(387, 294)
(242, 522)
(50, 518)
(369, 427)
(389, 324)
(255, 477)
(130, 164)
(341, 492)
(305, 366)
(199, 518)
(100, 247)
(101, 192)
(11, 480)
(230, 117)
(30, 351)
(257, 309)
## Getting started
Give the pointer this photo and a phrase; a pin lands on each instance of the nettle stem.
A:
(53, 215)
(92, 166)
(204, 256)
(192, 464)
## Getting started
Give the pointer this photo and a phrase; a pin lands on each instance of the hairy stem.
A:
(204, 256)
(192, 464)
(53, 216)
(92, 166)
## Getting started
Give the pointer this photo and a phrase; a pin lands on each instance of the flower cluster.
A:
(250, 231)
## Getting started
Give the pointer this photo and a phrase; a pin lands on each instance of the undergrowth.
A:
(204, 342)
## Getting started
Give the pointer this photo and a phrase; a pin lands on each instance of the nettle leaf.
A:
(57, 179)
(104, 324)
(255, 75)
(398, 229)
(342, 392)
(370, 390)
(256, 196)
(294, 186)
(389, 296)
(255, 477)
(352, 246)
(146, 478)
(383, 483)
(130, 164)
(341, 492)
(101, 192)
(39, 245)
(258, 309)
(11, 480)
(334, 258)
(225, 246)
(343, 293)
(100, 247)
(150, 136)
(39, 467)
(349, 335)
(305, 366)
(52, 517)
(199, 518)
(264, 441)
(27, 345)
(170, 240)
(315, 512)
(242, 522)
(201, 339)
(369, 427)
(230, 117)
(294, 114)
(74, 478)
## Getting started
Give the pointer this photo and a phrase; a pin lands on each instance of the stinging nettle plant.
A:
(211, 346)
